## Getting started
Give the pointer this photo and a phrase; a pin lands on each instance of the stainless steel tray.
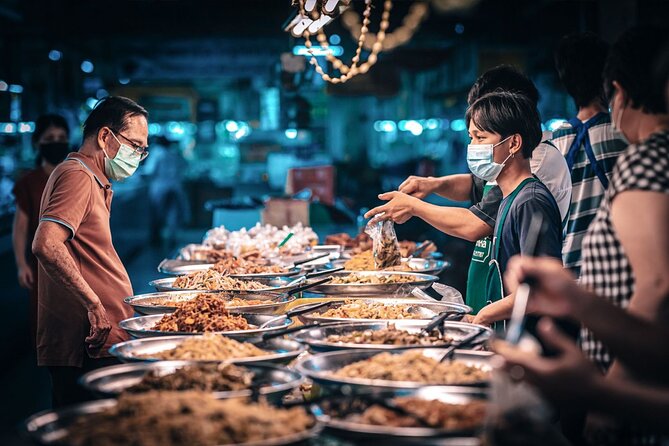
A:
(272, 382)
(421, 266)
(152, 303)
(332, 418)
(50, 426)
(426, 309)
(316, 338)
(274, 285)
(281, 351)
(140, 327)
(320, 369)
(421, 281)
(176, 267)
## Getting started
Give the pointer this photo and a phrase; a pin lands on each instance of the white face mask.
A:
(124, 164)
(481, 161)
(616, 121)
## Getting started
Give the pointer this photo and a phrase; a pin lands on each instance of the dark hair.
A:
(507, 113)
(630, 63)
(112, 112)
(43, 123)
(506, 78)
(579, 61)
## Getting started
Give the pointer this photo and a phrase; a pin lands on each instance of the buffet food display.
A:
(166, 391)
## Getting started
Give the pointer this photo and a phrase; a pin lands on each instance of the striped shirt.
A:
(587, 188)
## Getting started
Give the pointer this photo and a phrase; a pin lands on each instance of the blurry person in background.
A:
(51, 142)
(588, 140)
(166, 170)
(82, 282)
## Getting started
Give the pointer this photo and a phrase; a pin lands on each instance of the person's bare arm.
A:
(496, 311)
(454, 187)
(458, 222)
(49, 247)
(20, 243)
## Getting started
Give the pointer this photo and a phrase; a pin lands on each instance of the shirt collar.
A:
(91, 165)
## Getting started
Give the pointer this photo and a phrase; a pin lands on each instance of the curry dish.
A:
(200, 315)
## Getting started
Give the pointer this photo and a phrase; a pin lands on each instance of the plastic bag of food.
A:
(386, 248)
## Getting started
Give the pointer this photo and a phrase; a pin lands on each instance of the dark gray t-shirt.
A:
(532, 199)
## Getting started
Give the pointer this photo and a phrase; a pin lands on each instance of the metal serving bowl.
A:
(333, 416)
(421, 281)
(51, 426)
(424, 308)
(280, 351)
(280, 284)
(176, 267)
(141, 326)
(158, 303)
(320, 368)
(316, 338)
(270, 381)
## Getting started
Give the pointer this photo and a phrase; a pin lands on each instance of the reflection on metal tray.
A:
(316, 338)
(274, 285)
(421, 266)
(272, 382)
(421, 281)
(424, 308)
(320, 368)
(280, 351)
(159, 303)
(334, 418)
(50, 427)
(141, 326)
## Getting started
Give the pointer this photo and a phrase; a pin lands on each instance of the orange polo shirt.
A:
(78, 196)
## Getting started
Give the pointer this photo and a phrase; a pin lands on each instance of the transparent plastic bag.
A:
(386, 248)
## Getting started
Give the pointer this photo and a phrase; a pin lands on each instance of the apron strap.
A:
(583, 138)
(505, 212)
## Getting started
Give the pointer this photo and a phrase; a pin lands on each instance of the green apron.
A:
(478, 269)
(494, 284)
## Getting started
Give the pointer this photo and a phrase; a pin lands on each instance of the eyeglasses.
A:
(140, 151)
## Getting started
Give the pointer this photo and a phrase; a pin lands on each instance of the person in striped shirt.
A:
(588, 141)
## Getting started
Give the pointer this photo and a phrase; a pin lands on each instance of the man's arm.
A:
(20, 242)
(49, 247)
(453, 187)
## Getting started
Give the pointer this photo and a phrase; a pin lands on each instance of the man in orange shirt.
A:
(82, 281)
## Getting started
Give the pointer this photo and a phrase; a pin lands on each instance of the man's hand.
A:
(26, 278)
(556, 293)
(100, 326)
(419, 187)
(400, 207)
(567, 377)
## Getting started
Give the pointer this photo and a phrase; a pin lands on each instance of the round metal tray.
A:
(421, 281)
(50, 427)
(176, 267)
(420, 266)
(272, 382)
(140, 327)
(316, 338)
(274, 285)
(425, 308)
(320, 369)
(331, 417)
(280, 351)
(151, 303)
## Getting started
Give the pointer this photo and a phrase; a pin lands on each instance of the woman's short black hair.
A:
(44, 122)
(506, 114)
(506, 78)
(630, 63)
(112, 112)
(579, 60)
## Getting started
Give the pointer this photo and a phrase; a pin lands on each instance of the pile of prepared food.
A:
(262, 239)
(202, 314)
(211, 279)
(413, 366)
(205, 377)
(230, 301)
(417, 412)
(359, 309)
(208, 347)
(239, 266)
(164, 418)
(369, 279)
(391, 336)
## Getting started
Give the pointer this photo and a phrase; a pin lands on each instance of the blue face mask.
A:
(481, 161)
